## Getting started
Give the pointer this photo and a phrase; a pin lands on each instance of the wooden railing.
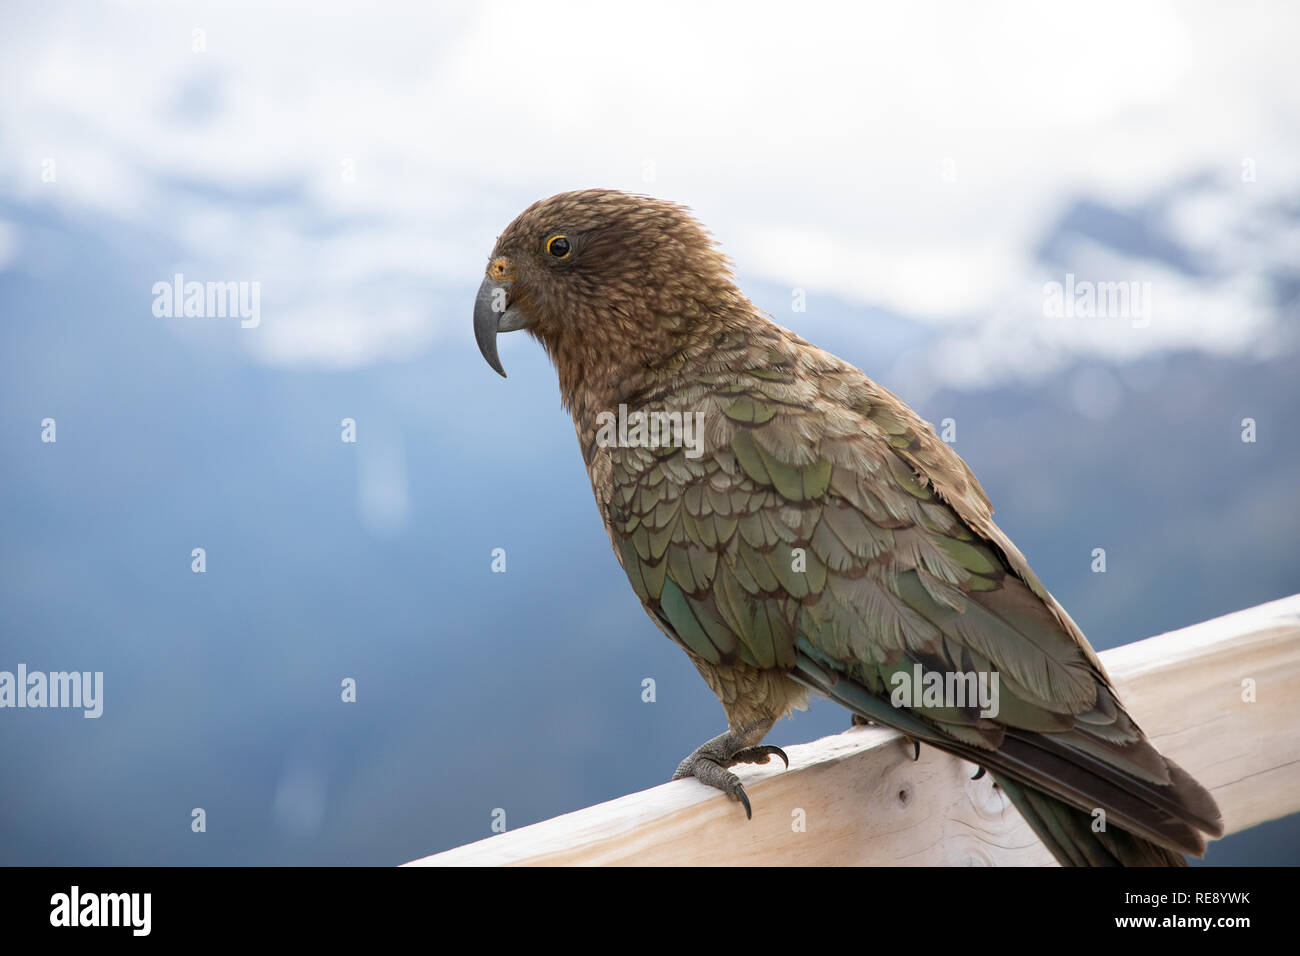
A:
(1221, 697)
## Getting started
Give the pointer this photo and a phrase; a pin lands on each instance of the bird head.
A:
(601, 278)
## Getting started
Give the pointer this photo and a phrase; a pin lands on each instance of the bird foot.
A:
(709, 762)
(860, 721)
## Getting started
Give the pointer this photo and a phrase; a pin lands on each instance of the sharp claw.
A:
(760, 755)
(709, 763)
(743, 797)
(978, 773)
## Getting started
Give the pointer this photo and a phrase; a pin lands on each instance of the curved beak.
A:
(493, 314)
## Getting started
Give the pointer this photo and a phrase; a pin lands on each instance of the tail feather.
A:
(1074, 837)
(1057, 785)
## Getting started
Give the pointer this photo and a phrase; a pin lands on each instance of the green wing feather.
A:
(827, 532)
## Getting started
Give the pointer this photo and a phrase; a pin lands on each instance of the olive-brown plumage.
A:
(821, 537)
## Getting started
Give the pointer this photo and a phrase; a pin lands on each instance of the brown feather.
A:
(905, 565)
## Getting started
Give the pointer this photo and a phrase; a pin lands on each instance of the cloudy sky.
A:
(911, 161)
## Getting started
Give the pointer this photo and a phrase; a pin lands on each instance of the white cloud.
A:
(812, 139)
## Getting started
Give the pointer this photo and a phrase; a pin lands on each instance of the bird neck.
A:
(632, 364)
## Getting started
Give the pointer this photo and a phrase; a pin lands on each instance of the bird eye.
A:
(559, 246)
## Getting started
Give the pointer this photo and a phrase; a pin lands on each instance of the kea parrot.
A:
(818, 536)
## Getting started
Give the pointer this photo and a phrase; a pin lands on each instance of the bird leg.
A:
(709, 762)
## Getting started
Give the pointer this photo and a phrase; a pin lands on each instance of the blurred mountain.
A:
(372, 561)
